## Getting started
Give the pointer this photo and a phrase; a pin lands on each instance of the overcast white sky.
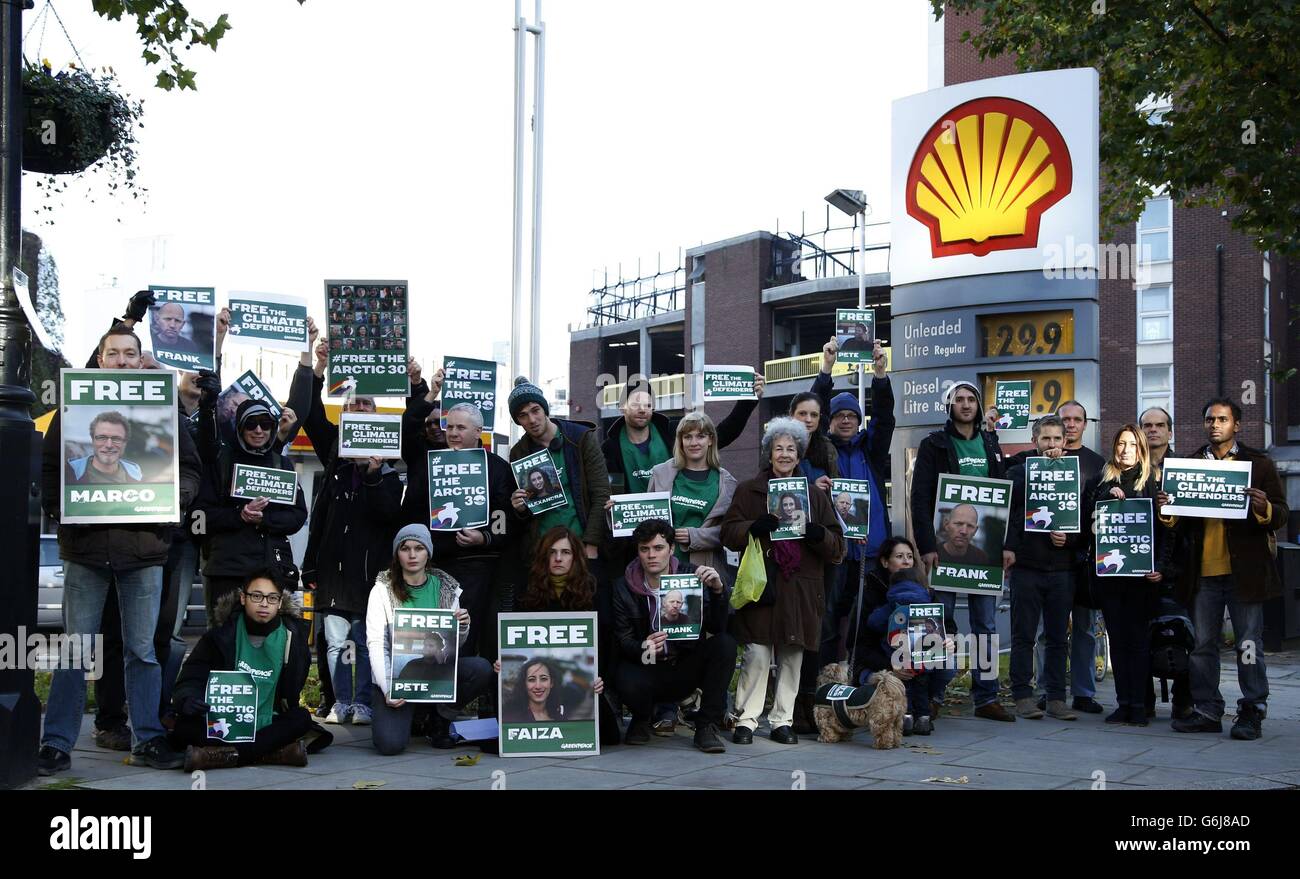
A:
(342, 139)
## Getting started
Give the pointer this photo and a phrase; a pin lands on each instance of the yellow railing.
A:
(661, 386)
(807, 366)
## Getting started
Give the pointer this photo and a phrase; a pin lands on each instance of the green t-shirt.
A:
(694, 494)
(427, 595)
(264, 661)
(566, 515)
(638, 458)
(971, 459)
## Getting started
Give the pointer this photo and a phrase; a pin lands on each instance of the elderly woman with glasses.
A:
(786, 619)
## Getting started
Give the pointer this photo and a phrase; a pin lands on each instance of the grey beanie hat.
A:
(523, 393)
(414, 531)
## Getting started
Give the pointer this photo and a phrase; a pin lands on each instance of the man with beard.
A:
(109, 433)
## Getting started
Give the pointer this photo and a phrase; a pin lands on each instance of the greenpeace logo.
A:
(77, 832)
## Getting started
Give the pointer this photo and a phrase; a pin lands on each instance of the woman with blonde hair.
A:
(701, 490)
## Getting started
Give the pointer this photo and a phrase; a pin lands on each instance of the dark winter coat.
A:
(584, 466)
(934, 456)
(636, 615)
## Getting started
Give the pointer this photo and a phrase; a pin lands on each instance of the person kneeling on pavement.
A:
(411, 582)
(257, 630)
(907, 587)
(651, 669)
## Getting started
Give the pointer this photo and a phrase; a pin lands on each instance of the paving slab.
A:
(557, 778)
(741, 775)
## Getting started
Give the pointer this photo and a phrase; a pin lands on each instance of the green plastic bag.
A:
(751, 577)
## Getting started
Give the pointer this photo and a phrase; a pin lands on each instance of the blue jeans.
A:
(339, 629)
(139, 595)
(1213, 594)
(1039, 598)
(1083, 652)
(390, 729)
(983, 621)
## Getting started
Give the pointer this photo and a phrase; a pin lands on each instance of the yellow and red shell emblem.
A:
(984, 174)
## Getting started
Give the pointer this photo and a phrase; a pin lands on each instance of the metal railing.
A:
(829, 252)
(643, 296)
(806, 366)
(661, 387)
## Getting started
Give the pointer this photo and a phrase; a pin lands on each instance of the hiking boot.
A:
(638, 733)
(339, 713)
(292, 754)
(360, 715)
(994, 711)
(783, 735)
(157, 754)
(50, 760)
(1198, 722)
(664, 727)
(1087, 705)
(922, 726)
(706, 738)
(1249, 724)
(1119, 715)
(210, 757)
(742, 736)
(1027, 709)
(116, 739)
(1056, 709)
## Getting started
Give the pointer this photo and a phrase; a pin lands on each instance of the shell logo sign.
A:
(984, 174)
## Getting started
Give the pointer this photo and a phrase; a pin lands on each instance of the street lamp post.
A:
(538, 30)
(854, 203)
(20, 711)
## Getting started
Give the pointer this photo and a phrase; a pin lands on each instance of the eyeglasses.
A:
(259, 424)
(263, 598)
(104, 438)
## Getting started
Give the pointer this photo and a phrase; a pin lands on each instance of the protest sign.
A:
(970, 526)
(536, 474)
(1126, 539)
(367, 338)
(1206, 489)
(630, 510)
(458, 489)
(548, 668)
(728, 383)
(277, 486)
(269, 320)
(1053, 494)
(120, 456)
(787, 499)
(182, 327)
(1011, 399)
(681, 606)
(921, 626)
(246, 386)
(426, 649)
(231, 697)
(470, 381)
(853, 506)
(855, 334)
(366, 435)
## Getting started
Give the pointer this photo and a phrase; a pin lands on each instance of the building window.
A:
(1156, 388)
(1155, 231)
(1155, 314)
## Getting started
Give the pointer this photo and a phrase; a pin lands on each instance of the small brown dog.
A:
(881, 711)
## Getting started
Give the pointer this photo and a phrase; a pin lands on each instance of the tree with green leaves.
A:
(1230, 70)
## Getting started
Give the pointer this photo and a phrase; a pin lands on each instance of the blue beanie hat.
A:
(523, 393)
(414, 531)
(846, 400)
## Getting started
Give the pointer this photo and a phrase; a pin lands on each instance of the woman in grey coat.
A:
(701, 490)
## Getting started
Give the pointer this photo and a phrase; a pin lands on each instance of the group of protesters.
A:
(828, 598)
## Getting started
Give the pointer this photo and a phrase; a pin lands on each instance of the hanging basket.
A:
(72, 120)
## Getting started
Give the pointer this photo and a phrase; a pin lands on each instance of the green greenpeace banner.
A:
(269, 320)
(1206, 489)
(681, 606)
(365, 435)
(277, 486)
(1052, 494)
(728, 383)
(426, 649)
(470, 381)
(1011, 399)
(787, 499)
(855, 334)
(546, 697)
(458, 489)
(119, 446)
(853, 506)
(367, 338)
(536, 475)
(231, 697)
(630, 510)
(1126, 538)
(970, 526)
(183, 327)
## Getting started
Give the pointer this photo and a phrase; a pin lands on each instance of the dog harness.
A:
(842, 698)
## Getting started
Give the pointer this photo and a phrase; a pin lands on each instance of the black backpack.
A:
(1172, 641)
